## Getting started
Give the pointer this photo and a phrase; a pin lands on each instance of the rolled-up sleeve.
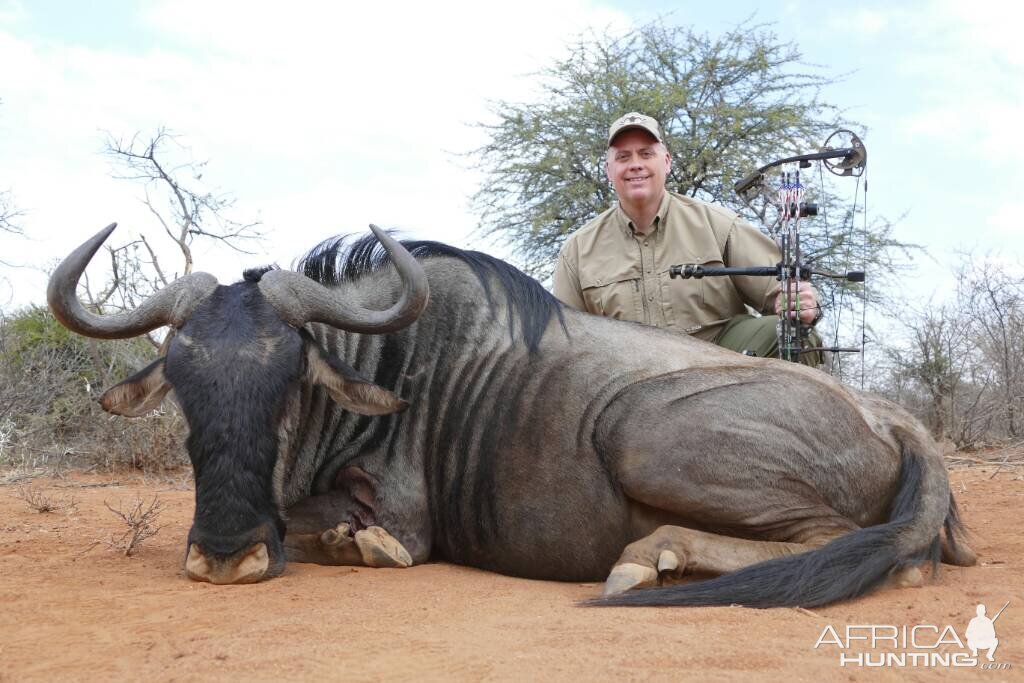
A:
(748, 246)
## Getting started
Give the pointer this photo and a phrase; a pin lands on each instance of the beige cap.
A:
(634, 120)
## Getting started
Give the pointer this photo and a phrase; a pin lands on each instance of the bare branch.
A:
(9, 215)
(185, 208)
(139, 519)
(191, 212)
(115, 283)
(154, 262)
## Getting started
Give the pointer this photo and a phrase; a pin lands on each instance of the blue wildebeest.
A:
(532, 440)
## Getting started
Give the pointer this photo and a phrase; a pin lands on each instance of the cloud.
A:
(319, 117)
(1006, 220)
(956, 71)
(868, 22)
(11, 13)
(992, 26)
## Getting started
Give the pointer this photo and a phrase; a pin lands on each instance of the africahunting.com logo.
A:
(921, 645)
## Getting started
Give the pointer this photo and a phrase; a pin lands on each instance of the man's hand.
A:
(808, 300)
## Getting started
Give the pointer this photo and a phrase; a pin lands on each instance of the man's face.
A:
(637, 166)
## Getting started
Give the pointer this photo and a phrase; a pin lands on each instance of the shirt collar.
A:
(626, 225)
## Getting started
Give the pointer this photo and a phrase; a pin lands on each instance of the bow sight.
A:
(843, 154)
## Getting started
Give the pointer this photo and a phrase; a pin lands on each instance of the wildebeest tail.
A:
(954, 544)
(845, 568)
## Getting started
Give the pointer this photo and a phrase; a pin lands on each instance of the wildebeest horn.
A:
(299, 300)
(170, 306)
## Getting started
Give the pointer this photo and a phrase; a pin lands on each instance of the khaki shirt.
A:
(606, 268)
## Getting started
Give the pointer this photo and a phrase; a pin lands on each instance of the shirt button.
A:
(648, 271)
(650, 298)
(645, 243)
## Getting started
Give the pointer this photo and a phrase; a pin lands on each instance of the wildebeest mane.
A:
(337, 260)
(256, 274)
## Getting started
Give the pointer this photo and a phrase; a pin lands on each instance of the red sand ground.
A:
(74, 613)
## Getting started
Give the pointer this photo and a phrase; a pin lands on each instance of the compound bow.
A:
(788, 199)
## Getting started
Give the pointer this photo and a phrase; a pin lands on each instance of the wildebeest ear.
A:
(346, 387)
(138, 395)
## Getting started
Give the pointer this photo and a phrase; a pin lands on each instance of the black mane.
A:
(335, 261)
(256, 274)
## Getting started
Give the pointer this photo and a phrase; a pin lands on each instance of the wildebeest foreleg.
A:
(372, 547)
(334, 528)
(332, 547)
(672, 551)
(341, 526)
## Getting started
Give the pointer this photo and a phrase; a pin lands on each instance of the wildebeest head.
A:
(236, 359)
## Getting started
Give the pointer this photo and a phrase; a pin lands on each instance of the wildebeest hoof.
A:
(338, 536)
(381, 549)
(959, 553)
(248, 566)
(667, 562)
(629, 575)
(911, 577)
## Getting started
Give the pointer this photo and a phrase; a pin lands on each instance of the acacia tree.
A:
(960, 365)
(938, 360)
(727, 104)
(994, 301)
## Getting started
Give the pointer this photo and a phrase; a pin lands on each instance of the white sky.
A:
(323, 117)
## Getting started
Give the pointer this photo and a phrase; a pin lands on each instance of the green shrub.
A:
(50, 383)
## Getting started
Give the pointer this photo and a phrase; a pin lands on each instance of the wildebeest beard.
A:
(233, 366)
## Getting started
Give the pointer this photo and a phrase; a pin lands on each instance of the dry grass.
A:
(1008, 455)
(38, 500)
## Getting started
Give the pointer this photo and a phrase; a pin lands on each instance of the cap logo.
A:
(634, 120)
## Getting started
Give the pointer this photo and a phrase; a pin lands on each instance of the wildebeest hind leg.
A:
(672, 551)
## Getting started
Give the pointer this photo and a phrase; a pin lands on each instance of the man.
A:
(981, 634)
(617, 264)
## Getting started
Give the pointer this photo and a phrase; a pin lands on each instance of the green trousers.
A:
(759, 337)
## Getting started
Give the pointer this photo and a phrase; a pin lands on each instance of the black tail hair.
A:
(848, 567)
(337, 260)
(954, 529)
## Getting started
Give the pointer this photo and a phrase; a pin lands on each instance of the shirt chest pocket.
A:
(613, 297)
(718, 298)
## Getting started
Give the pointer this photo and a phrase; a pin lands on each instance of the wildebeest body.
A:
(528, 462)
(540, 441)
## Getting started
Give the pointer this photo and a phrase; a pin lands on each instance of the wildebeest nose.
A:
(247, 566)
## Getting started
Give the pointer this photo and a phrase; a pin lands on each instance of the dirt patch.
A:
(73, 609)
